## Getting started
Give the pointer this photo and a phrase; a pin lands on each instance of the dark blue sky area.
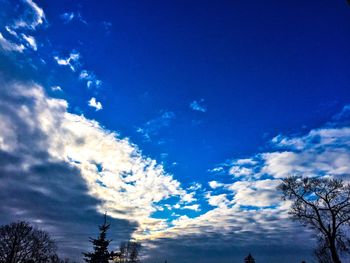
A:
(261, 67)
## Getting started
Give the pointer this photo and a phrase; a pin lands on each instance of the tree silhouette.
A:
(249, 259)
(322, 253)
(134, 248)
(128, 252)
(20, 242)
(100, 246)
(324, 205)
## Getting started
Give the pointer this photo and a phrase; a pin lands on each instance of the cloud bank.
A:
(73, 163)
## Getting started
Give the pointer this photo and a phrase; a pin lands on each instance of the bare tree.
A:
(128, 252)
(20, 242)
(322, 252)
(134, 248)
(324, 205)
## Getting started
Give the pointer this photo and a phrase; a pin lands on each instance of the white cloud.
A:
(12, 32)
(67, 17)
(10, 46)
(194, 186)
(218, 200)
(128, 184)
(56, 88)
(322, 151)
(251, 203)
(218, 169)
(31, 41)
(198, 105)
(84, 74)
(188, 198)
(33, 17)
(94, 83)
(215, 184)
(238, 171)
(72, 61)
(95, 104)
(247, 161)
(131, 186)
(248, 227)
(194, 207)
(91, 79)
(261, 193)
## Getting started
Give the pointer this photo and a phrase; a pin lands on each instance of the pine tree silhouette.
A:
(100, 246)
(249, 259)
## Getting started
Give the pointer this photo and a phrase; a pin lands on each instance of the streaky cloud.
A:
(7, 45)
(34, 16)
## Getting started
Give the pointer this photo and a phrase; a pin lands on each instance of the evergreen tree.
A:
(100, 246)
(249, 259)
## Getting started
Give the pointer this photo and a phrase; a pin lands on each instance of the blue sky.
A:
(177, 117)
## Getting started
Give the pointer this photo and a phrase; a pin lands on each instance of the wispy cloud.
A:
(7, 45)
(56, 88)
(198, 105)
(14, 41)
(11, 31)
(72, 61)
(90, 78)
(195, 186)
(107, 26)
(34, 16)
(95, 104)
(194, 207)
(31, 41)
(68, 17)
(153, 126)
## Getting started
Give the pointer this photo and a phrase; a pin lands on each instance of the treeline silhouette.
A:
(322, 204)
(22, 243)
